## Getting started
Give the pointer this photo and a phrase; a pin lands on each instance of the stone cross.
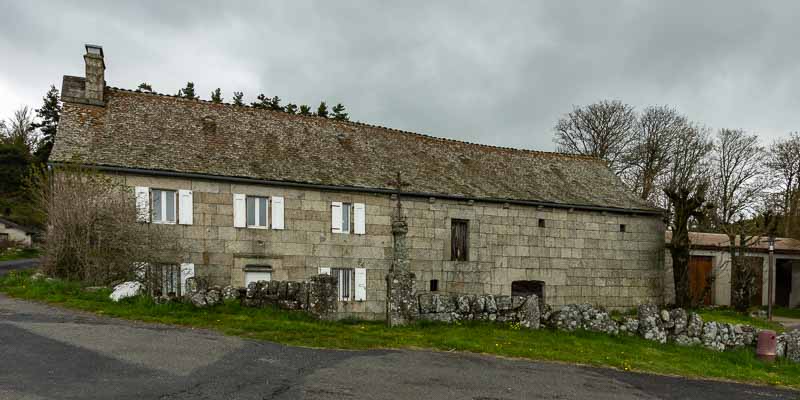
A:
(398, 185)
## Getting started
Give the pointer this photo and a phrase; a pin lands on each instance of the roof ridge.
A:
(428, 136)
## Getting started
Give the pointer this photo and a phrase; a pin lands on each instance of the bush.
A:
(92, 234)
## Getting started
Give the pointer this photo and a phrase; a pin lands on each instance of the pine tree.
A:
(263, 102)
(322, 110)
(339, 114)
(238, 98)
(305, 110)
(291, 108)
(216, 96)
(145, 87)
(49, 115)
(188, 91)
(275, 104)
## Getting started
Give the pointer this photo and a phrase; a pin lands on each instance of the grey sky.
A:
(494, 72)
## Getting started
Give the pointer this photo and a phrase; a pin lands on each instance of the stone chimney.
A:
(95, 74)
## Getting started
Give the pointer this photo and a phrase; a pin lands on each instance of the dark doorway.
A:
(700, 268)
(783, 282)
(527, 288)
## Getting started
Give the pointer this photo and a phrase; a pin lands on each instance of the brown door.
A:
(699, 278)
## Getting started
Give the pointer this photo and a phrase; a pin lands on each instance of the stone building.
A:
(259, 194)
(710, 277)
(13, 232)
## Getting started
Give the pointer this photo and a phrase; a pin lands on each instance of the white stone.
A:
(125, 290)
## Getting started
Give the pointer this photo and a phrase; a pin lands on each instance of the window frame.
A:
(351, 272)
(163, 204)
(256, 210)
(453, 240)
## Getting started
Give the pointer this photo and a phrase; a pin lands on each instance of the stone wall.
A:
(469, 307)
(582, 256)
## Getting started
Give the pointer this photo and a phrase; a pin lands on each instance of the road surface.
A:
(53, 353)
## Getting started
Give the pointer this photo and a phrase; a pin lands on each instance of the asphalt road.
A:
(6, 266)
(52, 353)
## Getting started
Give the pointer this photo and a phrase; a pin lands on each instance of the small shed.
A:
(710, 261)
(11, 231)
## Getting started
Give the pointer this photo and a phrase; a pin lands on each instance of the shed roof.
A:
(720, 242)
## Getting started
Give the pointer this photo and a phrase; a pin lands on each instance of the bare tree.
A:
(20, 129)
(783, 161)
(650, 155)
(604, 130)
(738, 175)
(687, 183)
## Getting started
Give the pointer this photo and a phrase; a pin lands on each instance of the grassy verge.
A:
(733, 317)
(296, 328)
(18, 254)
(786, 312)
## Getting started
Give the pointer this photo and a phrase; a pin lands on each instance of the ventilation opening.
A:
(622, 227)
(541, 223)
(434, 285)
(527, 288)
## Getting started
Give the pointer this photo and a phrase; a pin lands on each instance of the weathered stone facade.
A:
(562, 226)
(581, 256)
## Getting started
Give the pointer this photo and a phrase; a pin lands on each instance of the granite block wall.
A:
(582, 256)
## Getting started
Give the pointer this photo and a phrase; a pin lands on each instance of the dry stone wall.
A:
(481, 307)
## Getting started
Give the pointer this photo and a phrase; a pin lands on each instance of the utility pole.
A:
(771, 275)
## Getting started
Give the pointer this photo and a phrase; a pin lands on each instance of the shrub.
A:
(92, 234)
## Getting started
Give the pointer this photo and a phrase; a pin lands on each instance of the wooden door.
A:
(700, 268)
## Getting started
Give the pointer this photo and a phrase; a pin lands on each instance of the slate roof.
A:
(165, 133)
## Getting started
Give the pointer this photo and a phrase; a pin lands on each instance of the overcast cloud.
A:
(492, 72)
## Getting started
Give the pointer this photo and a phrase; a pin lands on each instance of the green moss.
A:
(296, 328)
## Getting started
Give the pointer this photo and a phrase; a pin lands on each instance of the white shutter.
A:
(277, 212)
(142, 203)
(324, 271)
(185, 209)
(239, 210)
(187, 271)
(336, 217)
(360, 218)
(361, 284)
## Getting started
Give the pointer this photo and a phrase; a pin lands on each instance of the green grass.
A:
(18, 254)
(732, 317)
(296, 328)
(786, 312)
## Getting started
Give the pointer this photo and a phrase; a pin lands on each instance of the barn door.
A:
(699, 274)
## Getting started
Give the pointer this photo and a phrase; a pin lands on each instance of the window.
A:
(348, 218)
(459, 239)
(344, 276)
(622, 227)
(255, 276)
(257, 208)
(434, 285)
(346, 212)
(163, 205)
(3, 237)
(541, 223)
